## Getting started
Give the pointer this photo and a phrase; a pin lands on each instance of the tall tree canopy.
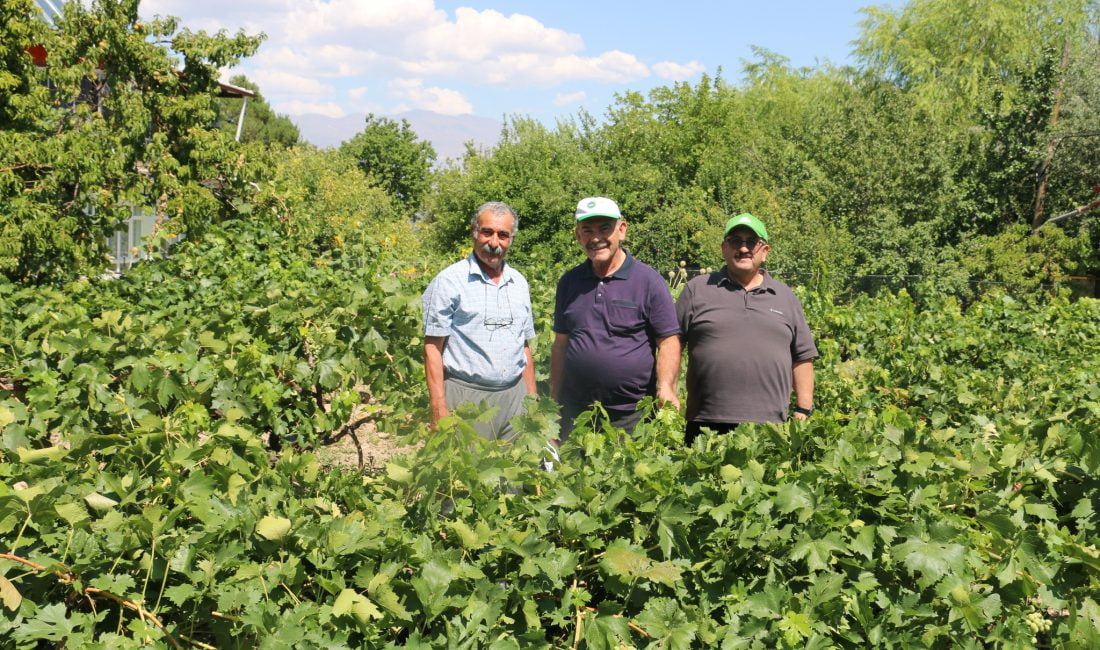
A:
(114, 120)
(924, 159)
(390, 152)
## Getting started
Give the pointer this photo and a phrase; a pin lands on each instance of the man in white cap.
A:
(616, 334)
(747, 339)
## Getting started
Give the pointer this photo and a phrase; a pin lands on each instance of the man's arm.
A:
(557, 365)
(668, 369)
(803, 372)
(529, 370)
(433, 371)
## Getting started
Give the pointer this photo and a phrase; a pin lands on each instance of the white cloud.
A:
(316, 51)
(357, 93)
(253, 16)
(481, 35)
(677, 71)
(327, 61)
(276, 82)
(562, 99)
(317, 20)
(296, 107)
(527, 68)
(440, 100)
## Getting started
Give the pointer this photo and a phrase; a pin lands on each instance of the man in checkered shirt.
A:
(477, 328)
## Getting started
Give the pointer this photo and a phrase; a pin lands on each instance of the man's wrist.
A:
(807, 411)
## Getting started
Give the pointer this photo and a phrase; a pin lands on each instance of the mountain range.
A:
(447, 133)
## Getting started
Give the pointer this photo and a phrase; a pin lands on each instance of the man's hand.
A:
(803, 372)
(439, 411)
(668, 370)
(665, 396)
(557, 365)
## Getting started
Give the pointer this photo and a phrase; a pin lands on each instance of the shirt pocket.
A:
(624, 316)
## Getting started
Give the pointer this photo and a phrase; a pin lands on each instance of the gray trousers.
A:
(508, 399)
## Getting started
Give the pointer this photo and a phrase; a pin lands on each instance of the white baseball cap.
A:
(597, 206)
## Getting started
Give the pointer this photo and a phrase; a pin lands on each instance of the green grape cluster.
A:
(1036, 622)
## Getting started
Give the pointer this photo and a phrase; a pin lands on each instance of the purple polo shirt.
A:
(613, 325)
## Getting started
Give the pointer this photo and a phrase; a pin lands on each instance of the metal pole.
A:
(240, 118)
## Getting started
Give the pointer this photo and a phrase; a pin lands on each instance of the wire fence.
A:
(849, 287)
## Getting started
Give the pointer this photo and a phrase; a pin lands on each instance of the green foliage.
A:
(1075, 138)
(944, 493)
(114, 121)
(390, 153)
(243, 325)
(323, 199)
(16, 74)
(892, 169)
(960, 57)
(261, 123)
(1021, 259)
(688, 229)
(944, 490)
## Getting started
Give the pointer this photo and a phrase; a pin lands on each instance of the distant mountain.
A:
(447, 133)
(324, 131)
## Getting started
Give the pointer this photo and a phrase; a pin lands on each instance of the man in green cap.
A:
(747, 339)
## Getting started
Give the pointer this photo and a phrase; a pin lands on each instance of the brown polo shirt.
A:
(741, 348)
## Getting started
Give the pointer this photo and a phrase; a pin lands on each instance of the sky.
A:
(545, 59)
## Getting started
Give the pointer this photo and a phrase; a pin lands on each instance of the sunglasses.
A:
(751, 243)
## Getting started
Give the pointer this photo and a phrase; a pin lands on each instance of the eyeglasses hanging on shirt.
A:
(498, 313)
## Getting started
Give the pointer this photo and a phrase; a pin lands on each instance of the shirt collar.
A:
(621, 273)
(767, 285)
(475, 269)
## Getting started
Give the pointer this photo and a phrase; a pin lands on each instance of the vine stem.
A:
(152, 565)
(358, 449)
(631, 624)
(69, 578)
(226, 617)
(578, 633)
(23, 529)
(345, 430)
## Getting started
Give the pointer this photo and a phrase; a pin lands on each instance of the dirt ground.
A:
(376, 447)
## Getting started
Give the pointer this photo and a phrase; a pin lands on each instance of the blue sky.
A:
(542, 58)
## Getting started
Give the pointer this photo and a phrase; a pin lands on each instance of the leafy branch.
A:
(68, 578)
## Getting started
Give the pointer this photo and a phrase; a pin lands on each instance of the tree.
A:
(959, 55)
(261, 123)
(390, 153)
(113, 121)
(992, 75)
(322, 198)
(1074, 141)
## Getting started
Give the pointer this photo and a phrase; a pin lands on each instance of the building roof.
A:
(229, 90)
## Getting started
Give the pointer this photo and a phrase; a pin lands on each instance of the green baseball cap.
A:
(750, 222)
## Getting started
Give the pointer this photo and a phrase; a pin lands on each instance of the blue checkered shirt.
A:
(486, 324)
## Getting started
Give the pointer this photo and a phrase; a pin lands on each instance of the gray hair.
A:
(497, 208)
